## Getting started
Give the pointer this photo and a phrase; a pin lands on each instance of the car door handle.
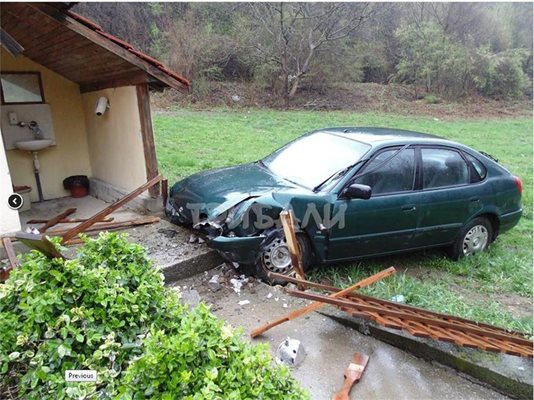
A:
(474, 199)
(408, 208)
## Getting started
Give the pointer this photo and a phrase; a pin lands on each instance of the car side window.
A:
(443, 167)
(396, 175)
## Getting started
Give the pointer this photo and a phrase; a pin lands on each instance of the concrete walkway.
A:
(390, 374)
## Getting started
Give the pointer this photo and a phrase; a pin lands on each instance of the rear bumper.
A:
(509, 220)
(242, 250)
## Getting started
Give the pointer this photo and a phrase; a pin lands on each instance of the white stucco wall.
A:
(9, 219)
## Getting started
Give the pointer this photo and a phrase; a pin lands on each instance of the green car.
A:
(355, 192)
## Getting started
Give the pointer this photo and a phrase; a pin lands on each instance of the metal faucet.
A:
(35, 128)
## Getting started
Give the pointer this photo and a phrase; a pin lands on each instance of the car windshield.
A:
(314, 158)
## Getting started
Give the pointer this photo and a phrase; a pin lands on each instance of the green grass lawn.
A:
(495, 287)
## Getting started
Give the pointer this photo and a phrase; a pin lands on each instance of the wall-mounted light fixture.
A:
(101, 105)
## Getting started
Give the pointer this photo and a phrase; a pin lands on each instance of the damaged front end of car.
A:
(240, 231)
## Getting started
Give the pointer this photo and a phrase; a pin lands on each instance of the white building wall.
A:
(9, 219)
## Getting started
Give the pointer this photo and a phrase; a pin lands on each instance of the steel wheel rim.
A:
(475, 240)
(276, 257)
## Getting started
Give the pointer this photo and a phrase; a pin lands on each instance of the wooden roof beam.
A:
(119, 80)
(95, 37)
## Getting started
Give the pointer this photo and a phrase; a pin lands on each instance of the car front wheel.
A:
(474, 238)
(275, 257)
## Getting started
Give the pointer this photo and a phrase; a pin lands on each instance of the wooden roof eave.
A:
(118, 50)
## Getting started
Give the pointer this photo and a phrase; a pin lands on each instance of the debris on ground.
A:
(214, 283)
(238, 283)
(415, 321)
(290, 352)
(35, 239)
(32, 230)
(399, 299)
(316, 305)
(170, 233)
(243, 302)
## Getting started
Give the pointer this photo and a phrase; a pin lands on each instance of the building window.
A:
(21, 88)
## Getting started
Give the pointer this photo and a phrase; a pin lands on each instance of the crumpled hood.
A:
(220, 189)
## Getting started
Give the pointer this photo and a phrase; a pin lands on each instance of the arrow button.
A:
(15, 201)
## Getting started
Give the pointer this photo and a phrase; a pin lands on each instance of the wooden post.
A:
(149, 147)
(288, 223)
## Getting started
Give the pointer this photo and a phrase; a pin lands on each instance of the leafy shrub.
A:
(499, 75)
(213, 363)
(431, 99)
(429, 58)
(94, 312)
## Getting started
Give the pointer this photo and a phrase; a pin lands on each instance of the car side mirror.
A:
(356, 191)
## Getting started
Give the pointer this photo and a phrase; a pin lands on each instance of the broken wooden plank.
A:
(39, 243)
(95, 230)
(108, 210)
(353, 374)
(392, 305)
(106, 226)
(314, 306)
(288, 223)
(67, 220)
(54, 221)
(10, 251)
(453, 324)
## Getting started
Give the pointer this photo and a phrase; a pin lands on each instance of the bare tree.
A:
(290, 34)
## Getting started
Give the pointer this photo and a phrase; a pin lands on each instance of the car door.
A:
(447, 196)
(384, 223)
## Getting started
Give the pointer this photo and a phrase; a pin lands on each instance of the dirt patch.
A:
(357, 97)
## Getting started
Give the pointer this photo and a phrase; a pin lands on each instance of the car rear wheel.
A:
(474, 238)
(275, 257)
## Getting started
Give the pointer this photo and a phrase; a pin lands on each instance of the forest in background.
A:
(439, 50)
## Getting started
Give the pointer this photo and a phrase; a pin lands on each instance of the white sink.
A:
(34, 145)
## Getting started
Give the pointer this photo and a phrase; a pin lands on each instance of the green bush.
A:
(499, 75)
(213, 363)
(431, 99)
(96, 312)
(428, 58)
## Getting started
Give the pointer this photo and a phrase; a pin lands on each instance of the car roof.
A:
(374, 136)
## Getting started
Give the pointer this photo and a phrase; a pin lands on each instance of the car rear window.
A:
(478, 168)
(442, 168)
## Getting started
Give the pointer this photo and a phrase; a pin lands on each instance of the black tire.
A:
(475, 237)
(264, 265)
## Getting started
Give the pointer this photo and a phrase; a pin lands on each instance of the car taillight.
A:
(518, 184)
